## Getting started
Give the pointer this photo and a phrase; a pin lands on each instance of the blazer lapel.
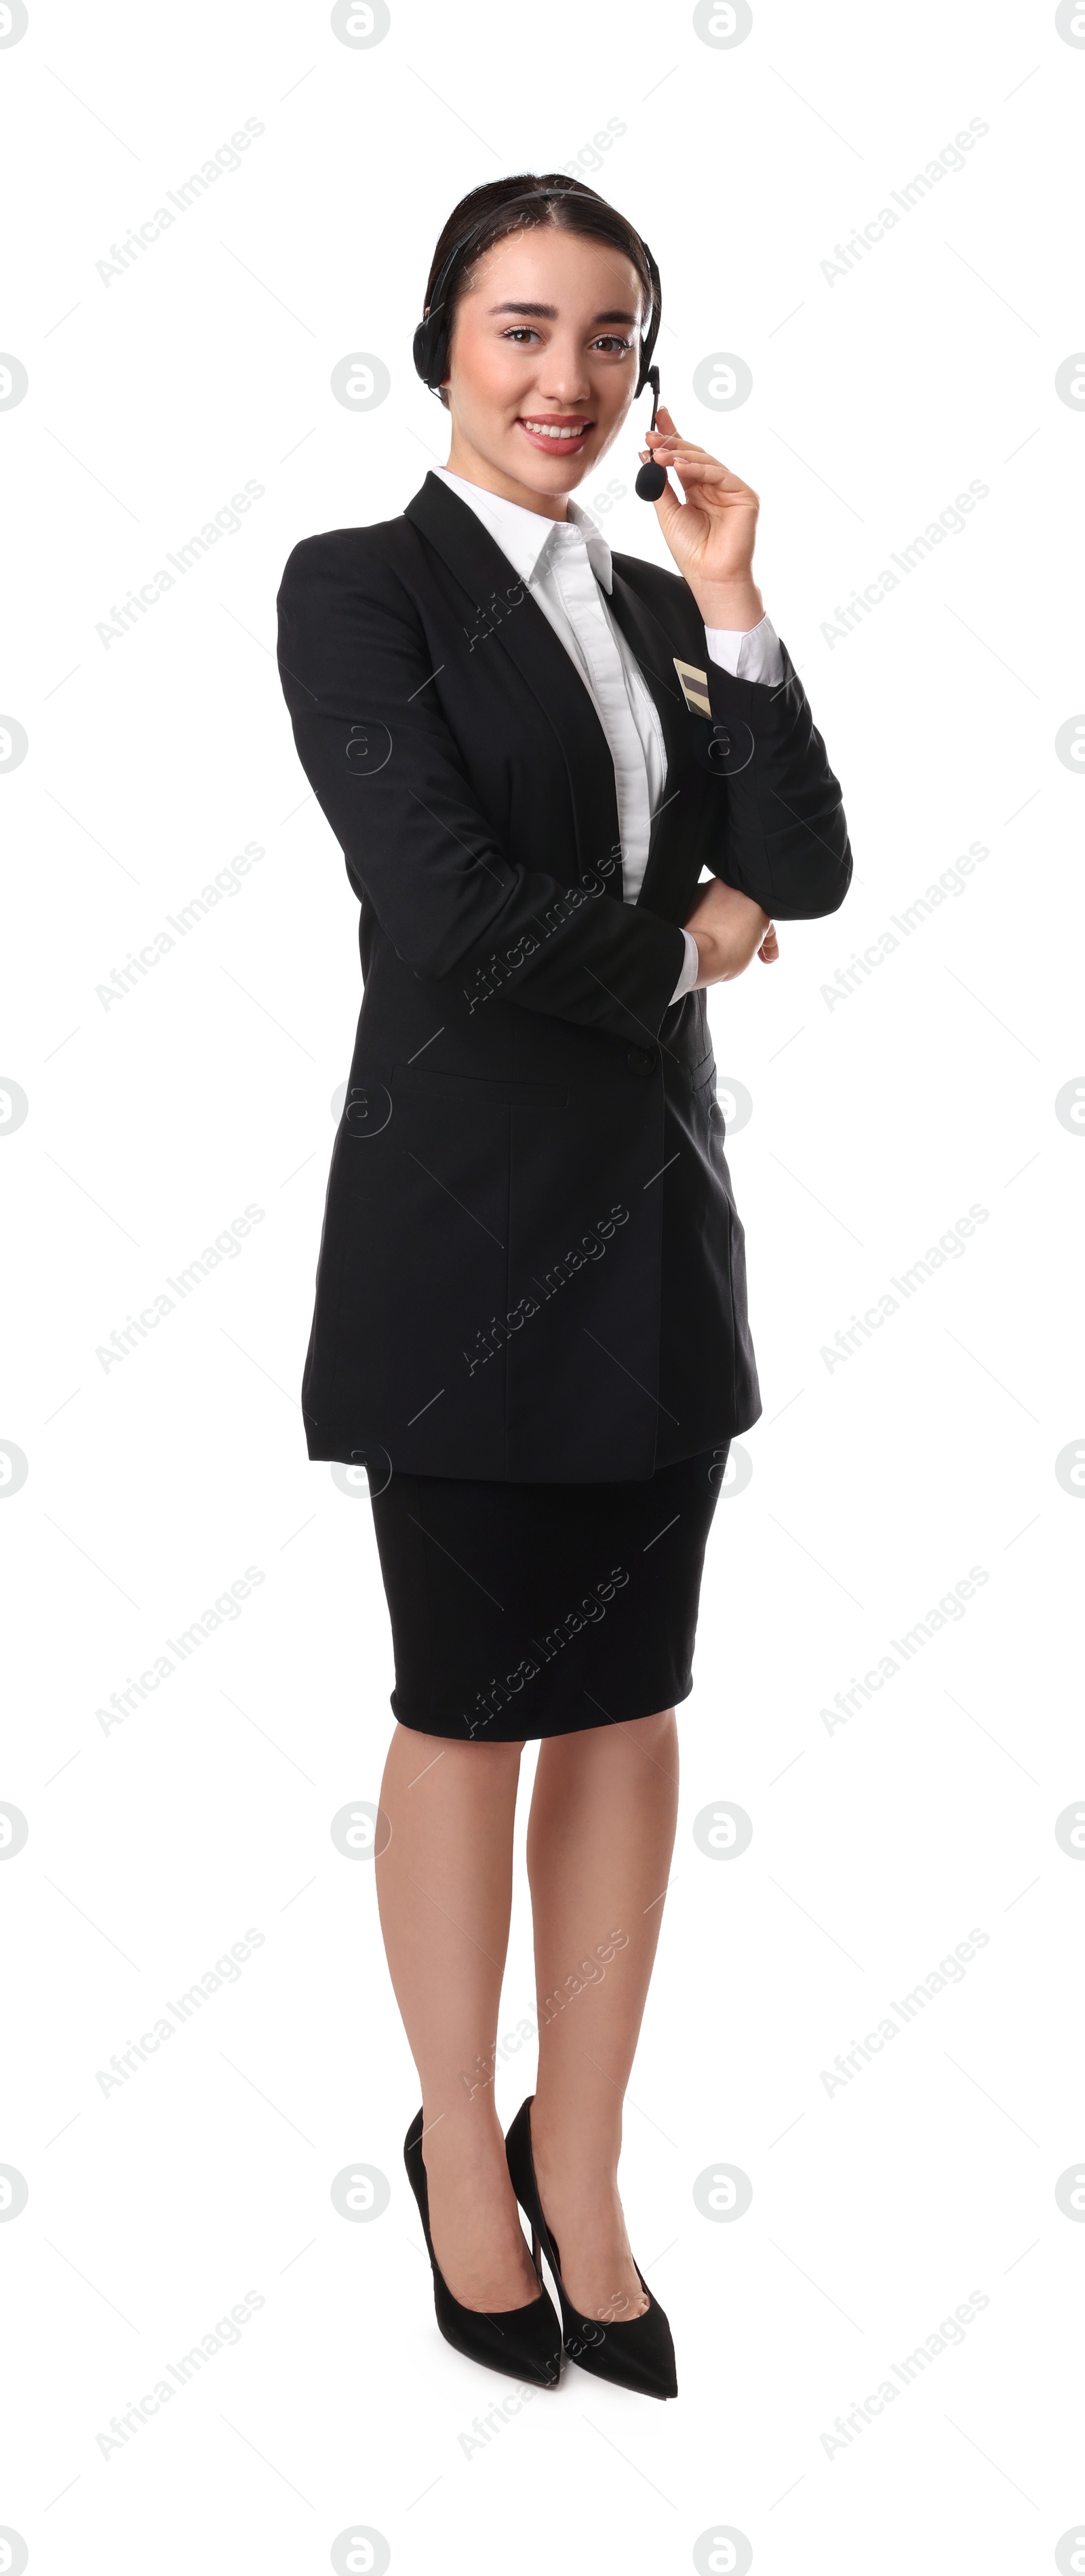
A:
(672, 836)
(503, 608)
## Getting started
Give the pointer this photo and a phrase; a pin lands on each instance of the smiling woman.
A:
(530, 1327)
(504, 320)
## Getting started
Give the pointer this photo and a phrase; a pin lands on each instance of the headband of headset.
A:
(431, 336)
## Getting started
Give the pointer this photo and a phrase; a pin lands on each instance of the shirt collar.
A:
(525, 537)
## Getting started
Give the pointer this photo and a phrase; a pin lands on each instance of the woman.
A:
(530, 1319)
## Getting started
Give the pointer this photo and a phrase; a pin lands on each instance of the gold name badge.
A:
(694, 686)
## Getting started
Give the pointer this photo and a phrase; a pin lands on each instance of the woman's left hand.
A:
(711, 532)
(730, 929)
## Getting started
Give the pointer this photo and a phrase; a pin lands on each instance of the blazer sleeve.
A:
(784, 837)
(384, 766)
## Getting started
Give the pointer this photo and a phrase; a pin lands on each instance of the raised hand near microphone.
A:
(711, 532)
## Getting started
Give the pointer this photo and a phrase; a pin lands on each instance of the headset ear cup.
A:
(429, 353)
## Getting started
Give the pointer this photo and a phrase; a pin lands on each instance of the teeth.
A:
(541, 429)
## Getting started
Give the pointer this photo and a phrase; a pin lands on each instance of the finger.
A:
(671, 452)
(664, 427)
(670, 439)
(695, 466)
(673, 437)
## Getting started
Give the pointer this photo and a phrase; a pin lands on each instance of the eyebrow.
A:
(549, 313)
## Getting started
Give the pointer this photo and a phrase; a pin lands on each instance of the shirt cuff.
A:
(753, 655)
(690, 970)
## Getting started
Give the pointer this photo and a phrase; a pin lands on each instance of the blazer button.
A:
(641, 1059)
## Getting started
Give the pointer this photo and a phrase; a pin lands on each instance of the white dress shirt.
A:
(566, 564)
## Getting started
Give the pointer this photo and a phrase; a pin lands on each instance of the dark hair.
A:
(574, 208)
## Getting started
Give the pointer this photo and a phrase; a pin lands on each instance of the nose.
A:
(562, 377)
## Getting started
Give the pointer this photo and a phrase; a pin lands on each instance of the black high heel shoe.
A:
(638, 2354)
(523, 2342)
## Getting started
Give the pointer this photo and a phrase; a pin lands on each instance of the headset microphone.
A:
(652, 479)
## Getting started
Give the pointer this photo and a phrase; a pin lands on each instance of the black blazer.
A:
(531, 1265)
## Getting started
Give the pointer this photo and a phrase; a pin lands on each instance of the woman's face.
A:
(547, 340)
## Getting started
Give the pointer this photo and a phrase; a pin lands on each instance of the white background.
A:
(877, 1483)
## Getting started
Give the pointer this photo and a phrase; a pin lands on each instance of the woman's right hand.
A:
(729, 929)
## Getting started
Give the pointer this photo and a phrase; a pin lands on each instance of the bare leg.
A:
(600, 1838)
(444, 1888)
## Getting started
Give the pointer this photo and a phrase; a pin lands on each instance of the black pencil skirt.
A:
(521, 1611)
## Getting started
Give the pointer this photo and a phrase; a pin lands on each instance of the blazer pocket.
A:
(724, 749)
(417, 1082)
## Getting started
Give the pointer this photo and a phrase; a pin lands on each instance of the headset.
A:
(431, 336)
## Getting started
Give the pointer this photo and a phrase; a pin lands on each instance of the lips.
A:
(555, 437)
